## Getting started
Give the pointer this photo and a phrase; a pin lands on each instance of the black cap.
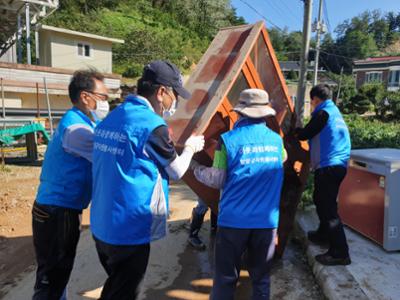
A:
(165, 73)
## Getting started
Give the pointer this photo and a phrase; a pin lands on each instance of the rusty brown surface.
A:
(362, 203)
(212, 79)
(239, 58)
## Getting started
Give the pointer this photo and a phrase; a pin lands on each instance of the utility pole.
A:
(19, 38)
(28, 34)
(301, 88)
(37, 49)
(320, 29)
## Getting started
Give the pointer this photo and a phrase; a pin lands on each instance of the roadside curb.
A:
(336, 282)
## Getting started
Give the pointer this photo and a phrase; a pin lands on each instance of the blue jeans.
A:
(230, 245)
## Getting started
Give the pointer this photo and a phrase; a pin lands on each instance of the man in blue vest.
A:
(65, 185)
(248, 167)
(330, 147)
(133, 160)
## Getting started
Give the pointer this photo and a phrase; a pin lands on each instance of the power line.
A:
(278, 9)
(347, 57)
(261, 15)
(290, 10)
(328, 23)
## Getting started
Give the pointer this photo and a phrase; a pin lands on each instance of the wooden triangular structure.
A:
(239, 57)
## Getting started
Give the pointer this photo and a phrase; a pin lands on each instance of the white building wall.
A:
(64, 53)
(10, 56)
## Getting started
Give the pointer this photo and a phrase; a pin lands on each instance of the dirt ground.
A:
(182, 274)
(18, 186)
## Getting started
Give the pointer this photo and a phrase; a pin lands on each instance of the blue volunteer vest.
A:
(251, 194)
(66, 179)
(331, 147)
(130, 192)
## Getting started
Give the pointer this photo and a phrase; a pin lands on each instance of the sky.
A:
(289, 13)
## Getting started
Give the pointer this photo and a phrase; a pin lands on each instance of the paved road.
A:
(176, 271)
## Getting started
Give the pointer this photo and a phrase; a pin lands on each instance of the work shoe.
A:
(195, 226)
(317, 238)
(328, 260)
(196, 242)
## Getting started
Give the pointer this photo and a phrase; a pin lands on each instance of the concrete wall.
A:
(360, 79)
(64, 53)
(385, 77)
(292, 87)
(25, 100)
(10, 56)
(45, 48)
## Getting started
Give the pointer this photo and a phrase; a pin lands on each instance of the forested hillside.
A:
(178, 30)
(181, 30)
(372, 33)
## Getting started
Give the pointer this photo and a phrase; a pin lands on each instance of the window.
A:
(373, 77)
(84, 50)
(394, 78)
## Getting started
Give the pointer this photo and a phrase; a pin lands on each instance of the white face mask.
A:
(102, 109)
(169, 112)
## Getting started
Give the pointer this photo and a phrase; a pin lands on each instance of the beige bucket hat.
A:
(253, 103)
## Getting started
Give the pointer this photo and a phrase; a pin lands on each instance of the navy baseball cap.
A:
(165, 73)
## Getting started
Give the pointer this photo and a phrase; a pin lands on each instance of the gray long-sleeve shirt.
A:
(78, 140)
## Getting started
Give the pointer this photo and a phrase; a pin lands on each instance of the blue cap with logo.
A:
(166, 73)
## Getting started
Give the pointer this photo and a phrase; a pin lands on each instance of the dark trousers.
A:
(55, 237)
(326, 187)
(230, 245)
(125, 267)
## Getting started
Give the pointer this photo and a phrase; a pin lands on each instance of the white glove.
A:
(195, 143)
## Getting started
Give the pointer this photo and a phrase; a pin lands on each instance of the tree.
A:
(292, 75)
(347, 91)
(375, 93)
(365, 35)
(359, 103)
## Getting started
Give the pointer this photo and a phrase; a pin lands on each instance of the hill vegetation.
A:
(371, 33)
(181, 30)
(177, 30)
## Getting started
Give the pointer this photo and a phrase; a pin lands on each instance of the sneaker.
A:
(196, 242)
(317, 238)
(327, 259)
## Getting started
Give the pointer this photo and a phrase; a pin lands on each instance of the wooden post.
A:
(3, 104)
(48, 106)
(4, 116)
(31, 146)
(37, 100)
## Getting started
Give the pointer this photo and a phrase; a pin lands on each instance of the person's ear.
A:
(84, 98)
(160, 94)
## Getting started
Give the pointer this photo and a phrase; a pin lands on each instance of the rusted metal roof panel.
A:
(238, 58)
(211, 80)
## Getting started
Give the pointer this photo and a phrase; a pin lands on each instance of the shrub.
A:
(367, 133)
(374, 92)
(359, 104)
